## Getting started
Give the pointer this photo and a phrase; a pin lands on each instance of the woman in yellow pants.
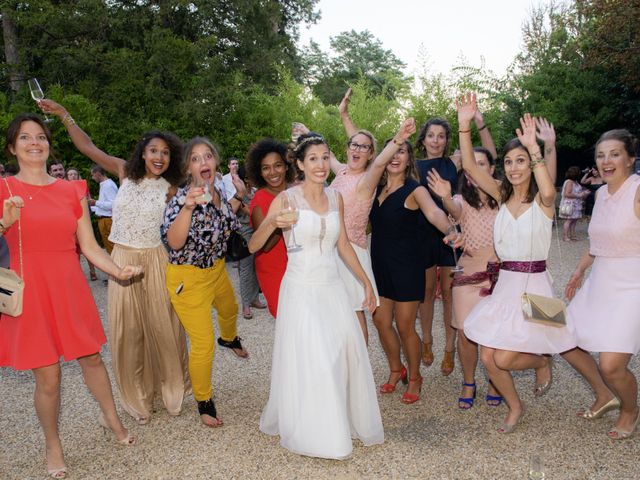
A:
(197, 224)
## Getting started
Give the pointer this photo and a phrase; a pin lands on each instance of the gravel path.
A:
(431, 439)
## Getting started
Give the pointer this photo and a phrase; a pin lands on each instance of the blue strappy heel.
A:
(465, 403)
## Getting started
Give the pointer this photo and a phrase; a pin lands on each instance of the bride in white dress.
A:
(322, 390)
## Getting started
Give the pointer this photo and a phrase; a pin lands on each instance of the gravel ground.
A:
(431, 439)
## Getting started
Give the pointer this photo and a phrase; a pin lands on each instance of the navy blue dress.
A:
(397, 239)
(436, 252)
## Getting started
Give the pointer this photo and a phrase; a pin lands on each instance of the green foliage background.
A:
(230, 70)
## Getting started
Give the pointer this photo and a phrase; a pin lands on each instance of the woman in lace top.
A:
(476, 212)
(148, 344)
(197, 225)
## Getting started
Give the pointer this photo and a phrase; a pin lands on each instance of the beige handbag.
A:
(12, 285)
(549, 311)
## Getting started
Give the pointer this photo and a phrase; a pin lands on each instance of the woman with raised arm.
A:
(605, 309)
(270, 172)
(476, 212)
(198, 222)
(522, 237)
(42, 219)
(322, 390)
(148, 344)
(573, 195)
(396, 240)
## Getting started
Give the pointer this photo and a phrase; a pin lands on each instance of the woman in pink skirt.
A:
(476, 212)
(522, 238)
(605, 310)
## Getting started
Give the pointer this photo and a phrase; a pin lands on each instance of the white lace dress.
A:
(322, 389)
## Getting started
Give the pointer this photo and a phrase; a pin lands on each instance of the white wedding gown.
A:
(322, 389)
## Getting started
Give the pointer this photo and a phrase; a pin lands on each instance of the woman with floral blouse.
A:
(197, 224)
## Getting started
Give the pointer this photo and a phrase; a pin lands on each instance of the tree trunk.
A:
(10, 36)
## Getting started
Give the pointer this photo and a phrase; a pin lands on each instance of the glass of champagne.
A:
(457, 268)
(536, 467)
(203, 200)
(290, 212)
(37, 94)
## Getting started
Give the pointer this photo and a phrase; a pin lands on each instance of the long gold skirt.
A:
(148, 343)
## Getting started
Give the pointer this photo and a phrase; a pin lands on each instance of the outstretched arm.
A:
(546, 188)
(347, 123)
(442, 188)
(371, 178)
(466, 106)
(547, 134)
(81, 140)
(430, 210)
(485, 135)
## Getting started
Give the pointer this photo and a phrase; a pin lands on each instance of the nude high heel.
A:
(127, 441)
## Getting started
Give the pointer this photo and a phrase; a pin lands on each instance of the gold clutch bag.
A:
(545, 310)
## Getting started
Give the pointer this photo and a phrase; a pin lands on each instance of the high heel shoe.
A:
(617, 434)
(58, 473)
(427, 353)
(391, 387)
(607, 407)
(208, 408)
(510, 427)
(541, 388)
(409, 398)
(448, 362)
(127, 441)
(465, 403)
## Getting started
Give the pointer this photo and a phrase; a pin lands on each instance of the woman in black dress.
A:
(397, 225)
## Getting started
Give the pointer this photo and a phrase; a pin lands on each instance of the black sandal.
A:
(207, 407)
(234, 345)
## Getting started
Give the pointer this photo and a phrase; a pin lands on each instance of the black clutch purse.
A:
(237, 247)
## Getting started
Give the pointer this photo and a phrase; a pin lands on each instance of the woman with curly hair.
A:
(148, 344)
(270, 171)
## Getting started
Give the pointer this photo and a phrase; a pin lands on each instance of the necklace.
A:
(31, 195)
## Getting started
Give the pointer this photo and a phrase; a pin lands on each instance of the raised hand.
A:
(241, 188)
(343, 108)
(527, 133)
(478, 118)
(545, 131)
(467, 107)
(407, 129)
(438, 185)
(54, 108)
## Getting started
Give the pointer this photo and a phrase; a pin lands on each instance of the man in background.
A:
(102, 208)
(229, 189)
(56, 169)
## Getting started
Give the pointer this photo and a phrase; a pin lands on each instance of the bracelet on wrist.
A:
(67, 120)
(239, 199)
(464, 131)
(482, 127)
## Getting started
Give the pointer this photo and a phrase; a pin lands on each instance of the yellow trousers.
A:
(193, 291)
(104, 227)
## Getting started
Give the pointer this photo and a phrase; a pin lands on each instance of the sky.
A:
(486, 31)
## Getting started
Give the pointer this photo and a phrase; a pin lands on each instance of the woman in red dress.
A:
(42, 217)
(269, 170)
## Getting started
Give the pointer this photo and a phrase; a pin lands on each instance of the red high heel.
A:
(391, 387)
(409, 398)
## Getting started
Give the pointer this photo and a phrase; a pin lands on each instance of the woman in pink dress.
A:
(605, 309)
(42, 219)
(573, 196)
(476, 212)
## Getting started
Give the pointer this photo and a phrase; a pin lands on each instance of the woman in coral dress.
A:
(42, 217)
(269, 170)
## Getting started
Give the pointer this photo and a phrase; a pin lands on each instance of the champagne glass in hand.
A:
(290, 212)
(37, 94)
(203, 200)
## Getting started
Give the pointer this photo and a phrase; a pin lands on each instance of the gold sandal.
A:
(448, 362)
(427, 353)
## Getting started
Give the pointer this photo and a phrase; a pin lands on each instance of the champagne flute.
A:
(536, 467)
(203, 200)
(290, 212)
(457, 268)
(37, 94)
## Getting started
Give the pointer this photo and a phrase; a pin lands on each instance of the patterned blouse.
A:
(209, 232)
